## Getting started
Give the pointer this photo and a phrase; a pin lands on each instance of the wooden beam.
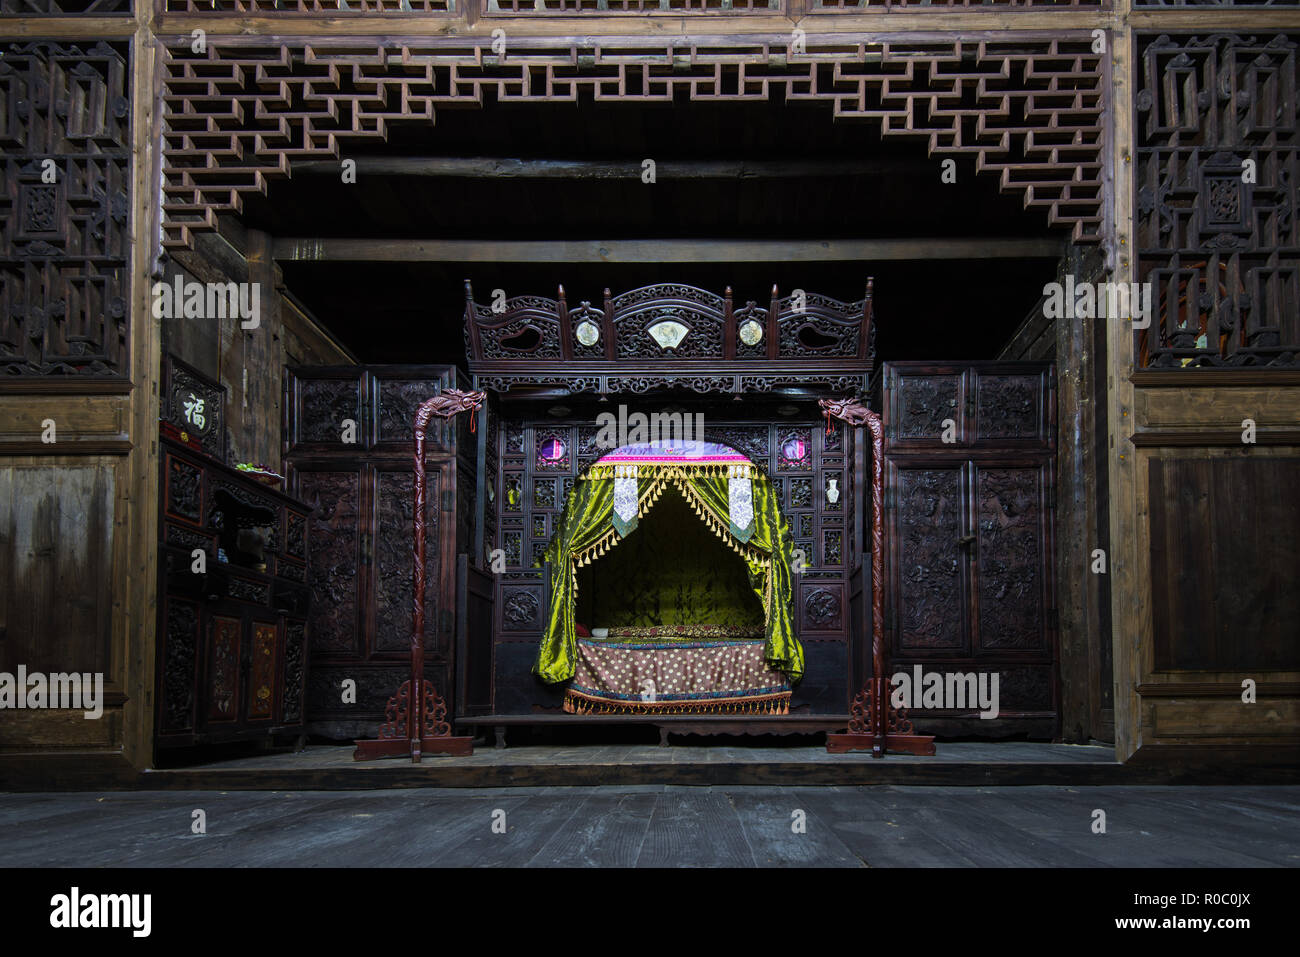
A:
(496, 167)
(846, 27)
(658, 250)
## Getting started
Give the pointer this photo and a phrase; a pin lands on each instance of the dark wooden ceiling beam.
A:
(495, 167)
(659, 250)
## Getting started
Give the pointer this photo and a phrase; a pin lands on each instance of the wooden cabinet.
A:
(234, 603)
(348, 453)
(969, 499)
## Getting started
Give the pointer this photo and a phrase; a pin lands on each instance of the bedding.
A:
(684, 669)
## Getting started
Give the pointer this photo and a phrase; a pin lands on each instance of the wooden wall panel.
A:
(1225, 578)
(56, 536)
(1218, 587)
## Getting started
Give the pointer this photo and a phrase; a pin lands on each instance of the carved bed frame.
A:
(703, 345)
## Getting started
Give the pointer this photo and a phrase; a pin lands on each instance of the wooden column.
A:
(1127, 562)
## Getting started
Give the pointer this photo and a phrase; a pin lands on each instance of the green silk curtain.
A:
(585, 532)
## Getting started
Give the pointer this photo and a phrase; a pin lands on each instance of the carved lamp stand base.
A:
(397, 737)
(865, 732)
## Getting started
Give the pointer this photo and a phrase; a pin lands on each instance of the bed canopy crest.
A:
(671, 336)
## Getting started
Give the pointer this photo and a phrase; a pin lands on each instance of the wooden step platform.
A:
(691, 763)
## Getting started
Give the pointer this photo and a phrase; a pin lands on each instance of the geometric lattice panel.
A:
(1216, 3)
(914, 6)
(603, 8)
(55, 8)
(1029, 108)
(1218, 194)
(334, 8)
(65, 163)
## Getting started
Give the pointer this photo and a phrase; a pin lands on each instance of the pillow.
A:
(713, 632)
(582, 630)
(601, 633)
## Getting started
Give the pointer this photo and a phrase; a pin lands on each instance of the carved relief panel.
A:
(987, 404)
(65, 182)
(1218, 215)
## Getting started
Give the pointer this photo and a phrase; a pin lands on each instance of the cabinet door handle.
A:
(966, 541)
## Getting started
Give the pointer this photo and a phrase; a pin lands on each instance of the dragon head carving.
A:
(848, 410)
(449, 402)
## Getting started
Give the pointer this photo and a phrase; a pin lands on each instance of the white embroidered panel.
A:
(625, 498)
(740, 502)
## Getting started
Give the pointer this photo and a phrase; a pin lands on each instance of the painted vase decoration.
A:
(832, 492)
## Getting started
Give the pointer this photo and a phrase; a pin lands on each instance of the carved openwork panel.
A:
(68, 8)
(1216, 3)
(295, 661)
(634, 344)
(235, 115)
(811, 324)
(668, 320)
(914, 6)
(179, 657)
(603, 8)
(65, 162)
(525, 327)
(334, 8)
(1218, 223)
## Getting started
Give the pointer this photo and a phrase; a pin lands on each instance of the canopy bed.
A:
(716, 582)
(734, 663)
(547, 512)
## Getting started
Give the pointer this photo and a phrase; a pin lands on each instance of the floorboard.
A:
(660, 826)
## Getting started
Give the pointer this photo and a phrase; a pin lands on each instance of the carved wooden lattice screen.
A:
(57, 8)
(208, 8)
(1029, 107)
(65, 160)
(602, 8)
(1218, 204)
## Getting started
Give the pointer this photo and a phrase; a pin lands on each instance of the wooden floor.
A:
(654, 826)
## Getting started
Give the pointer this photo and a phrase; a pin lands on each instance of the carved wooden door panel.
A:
(337, 564)
(360, 481)
(969, 495)
(926, 508)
